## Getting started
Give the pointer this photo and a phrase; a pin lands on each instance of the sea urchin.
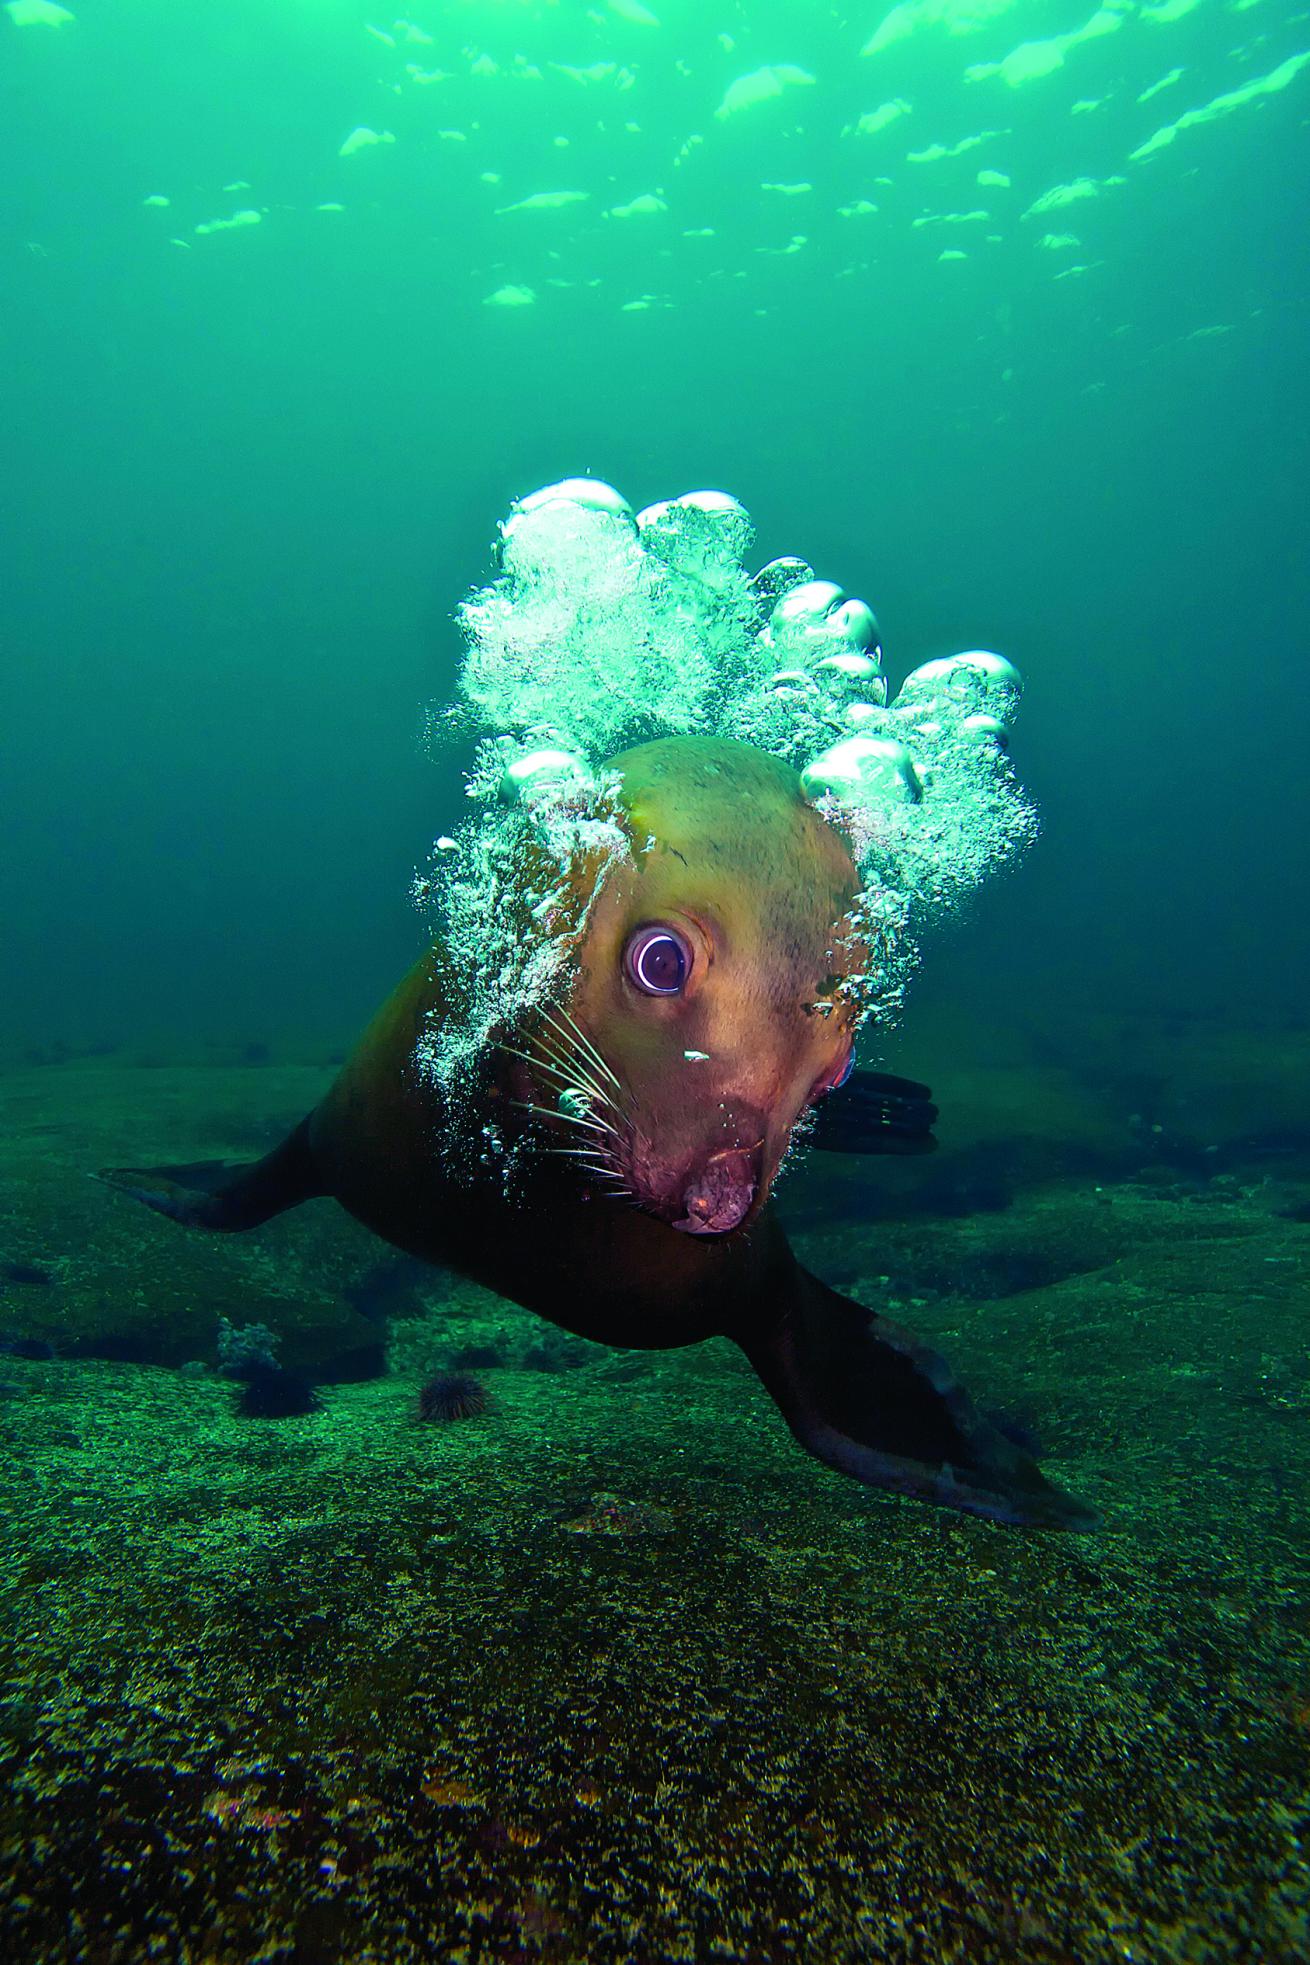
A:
(451, 1395)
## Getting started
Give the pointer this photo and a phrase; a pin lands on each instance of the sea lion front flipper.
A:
(875, 1112)
(216, 1194)
(866, 1397)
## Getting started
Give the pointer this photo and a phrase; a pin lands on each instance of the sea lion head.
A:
(709, 1008)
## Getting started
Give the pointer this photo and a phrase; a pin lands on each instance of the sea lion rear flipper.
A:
(864, 1396)
(875, 1112)
(218, 1195)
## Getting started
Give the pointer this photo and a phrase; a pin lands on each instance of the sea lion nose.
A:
(719, 1196)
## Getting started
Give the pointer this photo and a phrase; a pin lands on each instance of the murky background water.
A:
(995, 313)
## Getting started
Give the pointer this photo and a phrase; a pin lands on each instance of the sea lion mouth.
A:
(595, 1111)
(719, 1197)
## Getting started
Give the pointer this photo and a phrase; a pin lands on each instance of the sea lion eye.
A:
(657, 960)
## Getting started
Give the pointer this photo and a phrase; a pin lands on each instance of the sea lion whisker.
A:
(564, 1052)
(571, 1046)
(570, 1033)
(593, 1096)
(588, 1048)
(613, 1188)
(614, 1181)
(593, 1169)
(574, 1078)
(604, 1115)
(569, 1082)
(595, 1161)
(569, 1118)
(557, 1044)
(577, 1080)
(599, 1149)
(580, 1036)
(597, 1156)
(572, 1069)
(561, 1068)
(560, 1113)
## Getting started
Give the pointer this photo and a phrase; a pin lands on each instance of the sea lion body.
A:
(579, 1257)
(685, 1101)
(737, 858)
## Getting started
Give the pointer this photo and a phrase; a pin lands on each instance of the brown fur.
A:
(762, 885)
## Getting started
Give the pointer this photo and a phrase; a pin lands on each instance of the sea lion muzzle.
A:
(711, 1188)
(720, 1197)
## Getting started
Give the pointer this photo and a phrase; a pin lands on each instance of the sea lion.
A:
(608, 1159)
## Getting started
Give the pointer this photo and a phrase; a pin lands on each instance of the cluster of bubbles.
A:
(607, 626)
(511, 895)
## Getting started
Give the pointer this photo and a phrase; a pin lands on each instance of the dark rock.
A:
(25, 1272)
(389, 1288)
(272, 1392)
(476, 1357)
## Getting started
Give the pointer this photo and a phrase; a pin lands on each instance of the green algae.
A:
(613, 1671)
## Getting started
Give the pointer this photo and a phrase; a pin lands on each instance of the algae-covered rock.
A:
(615, 1671)
(124, 1284)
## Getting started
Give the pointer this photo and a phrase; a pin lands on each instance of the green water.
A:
(995, 313)
(248, 473)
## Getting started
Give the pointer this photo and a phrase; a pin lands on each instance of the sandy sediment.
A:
(612, 1671)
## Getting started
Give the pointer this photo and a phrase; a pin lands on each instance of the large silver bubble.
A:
(703, 535)
(976, 683)
(817, 617)
(591, 493)
(559, 527)
(862, 770)
(851, 675)
(778, 578)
